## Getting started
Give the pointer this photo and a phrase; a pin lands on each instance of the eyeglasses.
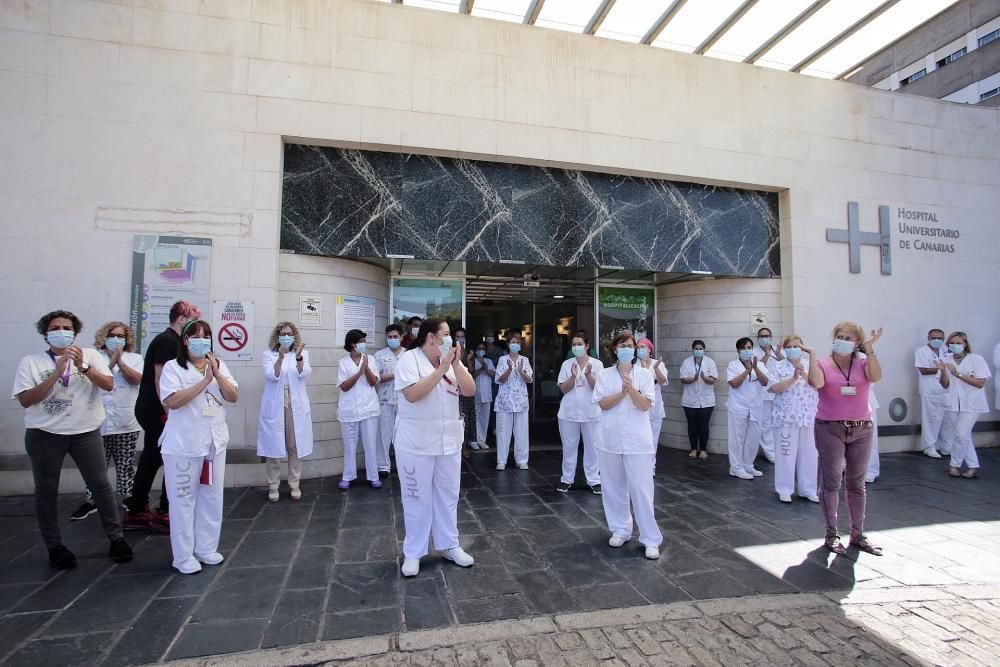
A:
(122, 336)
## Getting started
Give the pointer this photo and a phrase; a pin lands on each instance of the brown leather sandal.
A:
(863, 544)
(834, 545)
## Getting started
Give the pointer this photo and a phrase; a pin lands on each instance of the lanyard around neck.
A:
(64, 378)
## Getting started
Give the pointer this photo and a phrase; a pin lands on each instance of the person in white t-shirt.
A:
(358, 409)
(745, 375)
(644, 354)
(61, 392)
(698, 374)
(625, 447)
(430, 378)
(513, 374)
(120, 430)
(767, 355)
(578, 415)
(484, 372)
(931, 393)
(386, 390)
(194, 389)
(964, 377)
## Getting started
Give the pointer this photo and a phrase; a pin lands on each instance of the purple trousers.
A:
(835, 444)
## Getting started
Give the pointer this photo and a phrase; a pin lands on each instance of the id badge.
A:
(210, 411)
(64, 397)
(848, 390)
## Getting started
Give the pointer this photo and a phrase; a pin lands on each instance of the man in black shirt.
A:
(151, 416)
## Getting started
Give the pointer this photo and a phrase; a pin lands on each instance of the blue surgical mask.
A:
(60, 338)
(579, 350)
(490, 339)
(698, 354)
(936, 343)
(642, 353)
(956, 348)
(746, 355)
(625, 354)
(793, 353)
(287, 341)
(460, 341)
(361, 347)
(844, 347)
(199, 347)
(112, 344)
(393, 343)
(480, 354)
(515, 347)
(764, 342)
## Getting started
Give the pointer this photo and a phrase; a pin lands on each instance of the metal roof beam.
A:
(465, 7)
(724, 27)
(839, 39)
(666, 17)
(534, 9)
(785, 31)
(597, 19)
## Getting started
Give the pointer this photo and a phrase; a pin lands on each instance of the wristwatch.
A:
(84, 368)
(298, 358)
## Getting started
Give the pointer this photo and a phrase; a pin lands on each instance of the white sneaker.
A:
(755, 472)
(411, 567)
(522, 466)
(190, 566)
(617, 541)
(501, 466)
(871, 478)
(272, 495)
(784, 497)
(458, 556)
(210, 559)
(812, 499)
(741, 475)
(652, 553)
(769, 458)
(933, 453)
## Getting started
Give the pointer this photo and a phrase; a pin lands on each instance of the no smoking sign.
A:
(233, 337)
(233, 324)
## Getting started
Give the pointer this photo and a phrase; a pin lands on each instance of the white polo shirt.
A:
(189, 431)
(431, 426)
(360, 402)
(927, 357)
(577, 405)
(749, 396)
(962, 396)
(698, 394)
(624, 429)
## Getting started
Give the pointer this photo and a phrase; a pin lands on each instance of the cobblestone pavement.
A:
(326, 568)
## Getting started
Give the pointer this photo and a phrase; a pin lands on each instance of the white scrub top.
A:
(361, 401)
(769, 370)
(484, 383)
(926, 357)
(749, 396)
(387, 364)
(577, 405)
(962, 396)
(431, 426)
(624, 429)
(657, 411)
(189, 431)
(698, 394)
(513, 393)
(119, 405)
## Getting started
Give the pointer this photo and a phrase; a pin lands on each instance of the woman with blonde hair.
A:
(843, 429)
(963, 377)
(120, 431)
(285, 426)
(791, 420)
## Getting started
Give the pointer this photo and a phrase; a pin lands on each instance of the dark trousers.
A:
(47, 452)
(698, 419)
(150, 463)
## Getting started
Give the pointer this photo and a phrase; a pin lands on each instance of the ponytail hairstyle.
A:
(429, 326)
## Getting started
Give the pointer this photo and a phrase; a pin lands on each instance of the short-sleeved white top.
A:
(119, 405)
(962, 396)
(624, 429)
(387, 364)
(657, 411)
(189, 431)
(796, 406)
(749, 395)
(75, 408)
(513, 394)
(484, 383)
(577, 405)
(769, 370)
(698, 394)
(431, 426)
(927, 357)
(361, 401)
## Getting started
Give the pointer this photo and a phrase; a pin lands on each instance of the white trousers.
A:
(656, 424)
(367, 429)
(627, 479)
(482, 421)
(767, 435)
(429, 485)
(795, 460)
(874, 468)
(386, 427)
(516, 424)
(195, 509)
(744, 440)
(961, 447)
(570, 433)
(931, 420)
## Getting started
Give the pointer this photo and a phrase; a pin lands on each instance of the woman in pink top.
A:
(844, 429)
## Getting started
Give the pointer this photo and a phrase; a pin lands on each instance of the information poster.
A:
(427, 298)
(354, 312)
(310, 312)
(630, 309)
(232, 326)
(166, 269)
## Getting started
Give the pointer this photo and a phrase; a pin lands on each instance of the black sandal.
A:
(834, 544)
(863, 544)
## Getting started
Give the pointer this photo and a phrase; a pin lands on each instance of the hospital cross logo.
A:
(855, 238)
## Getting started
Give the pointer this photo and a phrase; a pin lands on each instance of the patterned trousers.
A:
(120, 448)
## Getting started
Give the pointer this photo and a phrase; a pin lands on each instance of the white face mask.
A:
(414, 331)
(445, 345)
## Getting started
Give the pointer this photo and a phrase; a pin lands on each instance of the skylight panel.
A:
(694, 22)
(570, 15)
(819, 29)
(629, 20)
(758, 25)
(442, 5)
(501, 10)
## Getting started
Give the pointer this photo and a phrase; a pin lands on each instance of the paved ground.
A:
(326, 568)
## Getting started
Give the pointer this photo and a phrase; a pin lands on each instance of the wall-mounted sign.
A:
(354, 312)
(232, 324)
(757, 322)
(310, 312)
